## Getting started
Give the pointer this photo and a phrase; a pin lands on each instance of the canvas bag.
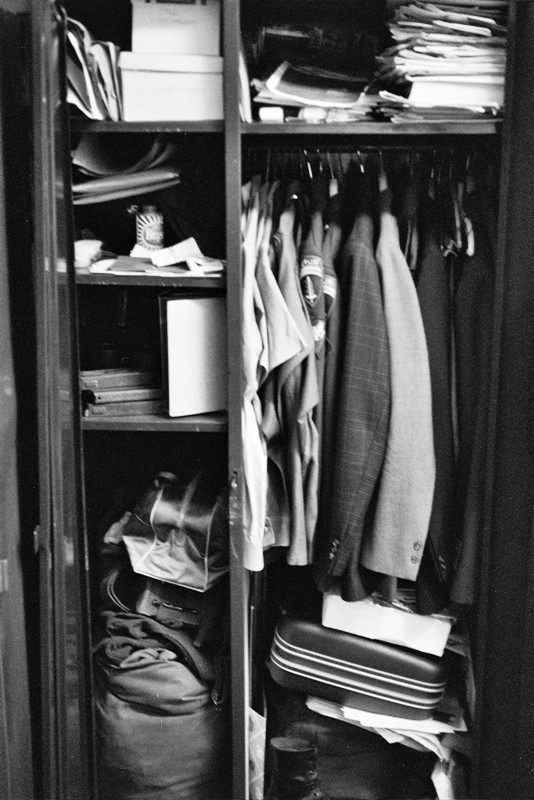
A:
(161, 732)
(179, 532)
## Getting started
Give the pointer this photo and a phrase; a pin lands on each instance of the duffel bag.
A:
(160, 736)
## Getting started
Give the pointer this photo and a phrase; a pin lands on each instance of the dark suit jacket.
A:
(357, 390)
(433, 290)
(473, 323)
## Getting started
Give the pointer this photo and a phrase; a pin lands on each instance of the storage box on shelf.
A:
(166, 86)
(191, 28)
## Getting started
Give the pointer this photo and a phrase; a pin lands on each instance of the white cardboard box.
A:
(176, 27)
(193, 335)
(374, 621)
(171, 87)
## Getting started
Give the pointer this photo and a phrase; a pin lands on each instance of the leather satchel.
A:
(179, 532)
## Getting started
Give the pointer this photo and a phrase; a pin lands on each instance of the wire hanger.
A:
(382, 177)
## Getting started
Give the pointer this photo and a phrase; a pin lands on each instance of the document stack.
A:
(93, 85)
(103, 172)
(447, 59)
(120, 393)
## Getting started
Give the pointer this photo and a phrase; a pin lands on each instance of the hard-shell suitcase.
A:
(360, 673)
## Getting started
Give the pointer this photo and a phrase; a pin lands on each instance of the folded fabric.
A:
(124, 633)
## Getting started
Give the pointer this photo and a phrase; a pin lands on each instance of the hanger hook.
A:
(329, 161)
(309, 166)
(268, 165)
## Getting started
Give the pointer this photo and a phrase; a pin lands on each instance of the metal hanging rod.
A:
(296, 150)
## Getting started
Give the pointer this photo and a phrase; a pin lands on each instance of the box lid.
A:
(169, 62)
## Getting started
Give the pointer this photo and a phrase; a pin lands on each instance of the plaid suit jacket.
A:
(358, 391)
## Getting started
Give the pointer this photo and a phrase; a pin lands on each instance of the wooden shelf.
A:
(202, 423)
(80, 125)
(473, 127)
(164, 282)
(440, 129)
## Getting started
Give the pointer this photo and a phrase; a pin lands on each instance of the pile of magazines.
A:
(312, 65)
(447, 60)
(93, 85)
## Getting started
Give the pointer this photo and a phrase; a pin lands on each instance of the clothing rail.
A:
(455, 159)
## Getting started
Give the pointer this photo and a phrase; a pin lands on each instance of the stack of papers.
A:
(102, 173)
(184, 259)
(424, 734)
(446, 56)
(93, 84)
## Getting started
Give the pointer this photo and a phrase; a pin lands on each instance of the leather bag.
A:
(179, 532)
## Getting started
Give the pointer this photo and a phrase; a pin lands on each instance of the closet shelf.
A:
(174, 282)
(474, 127)
(482, 126)
(79, 125)
(201, 423)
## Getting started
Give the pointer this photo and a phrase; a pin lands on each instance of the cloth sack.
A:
(159, 734)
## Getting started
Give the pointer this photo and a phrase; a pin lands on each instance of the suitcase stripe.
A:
(375, 674)
(352, 685)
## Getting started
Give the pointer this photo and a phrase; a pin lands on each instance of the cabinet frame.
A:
(503, 757)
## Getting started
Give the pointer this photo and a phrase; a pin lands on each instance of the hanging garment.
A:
(295, 450)
(473, 324)
(359, 396)
(254, 448)
(325, 413)
(405, 492)
(311, 261)
(432, 282)
(406, 210)
(283, 336)
(284, 343)
(331, 246)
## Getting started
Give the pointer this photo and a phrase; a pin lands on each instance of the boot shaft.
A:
(294, 770)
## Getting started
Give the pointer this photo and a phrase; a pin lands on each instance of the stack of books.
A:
(120, 393)
(446, 55)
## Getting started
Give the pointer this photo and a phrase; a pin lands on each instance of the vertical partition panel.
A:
(239, 578)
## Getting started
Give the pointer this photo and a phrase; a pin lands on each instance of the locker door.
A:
(65, 623)
(16, 768)
(506, 690)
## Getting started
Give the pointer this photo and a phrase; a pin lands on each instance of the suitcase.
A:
(365, 674)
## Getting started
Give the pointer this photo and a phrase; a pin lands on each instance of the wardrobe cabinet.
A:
(85, 463)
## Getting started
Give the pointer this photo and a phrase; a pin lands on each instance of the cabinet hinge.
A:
(4, 576)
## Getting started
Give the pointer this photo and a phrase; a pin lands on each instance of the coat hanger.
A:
(267, 174)
(382, 177)
(333, 184)
(468, 232)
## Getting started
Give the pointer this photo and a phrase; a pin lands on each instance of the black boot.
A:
(293, 773)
